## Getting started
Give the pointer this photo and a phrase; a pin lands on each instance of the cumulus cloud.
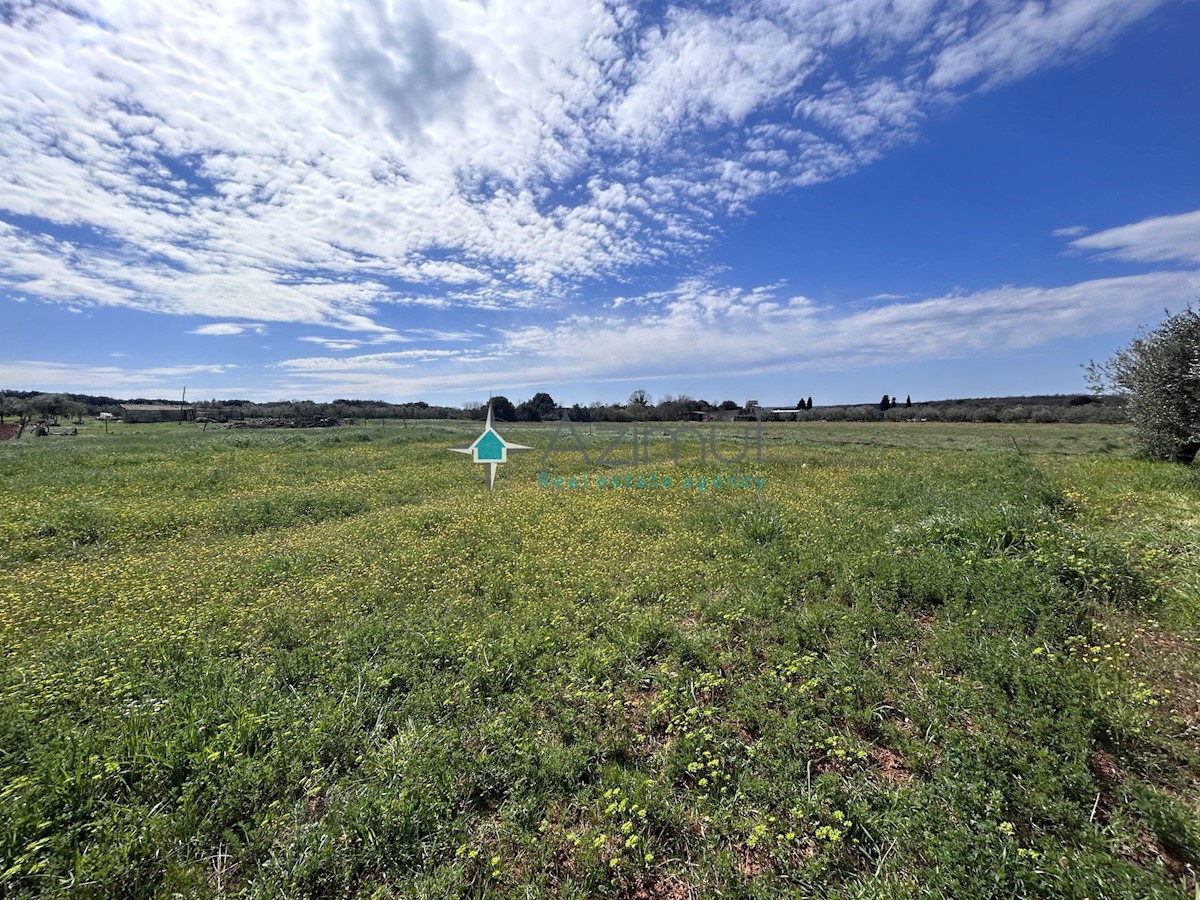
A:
(334, 164)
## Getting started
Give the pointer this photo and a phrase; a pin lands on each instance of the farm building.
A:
(157, 412)
(751, 412)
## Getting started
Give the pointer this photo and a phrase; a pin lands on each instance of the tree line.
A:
(32, 406)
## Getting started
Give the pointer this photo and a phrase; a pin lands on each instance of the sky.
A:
(445, 200)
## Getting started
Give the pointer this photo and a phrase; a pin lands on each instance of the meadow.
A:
(923, 660)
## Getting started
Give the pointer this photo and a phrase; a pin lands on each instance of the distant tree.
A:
(810, 402)
(908, 402)
(639, 398)
(538, 408)
(76, 410)
(885, 404)
(728, 406)
(10, 406)
(503, 409)
(306, 410)
(675, 409)
(19, 409)
(47, 406)
(1159, 373)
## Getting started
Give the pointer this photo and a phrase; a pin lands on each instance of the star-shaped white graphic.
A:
(490, 449)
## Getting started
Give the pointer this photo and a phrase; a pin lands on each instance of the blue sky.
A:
(447, 199)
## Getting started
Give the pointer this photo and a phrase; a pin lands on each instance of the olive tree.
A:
(1159, 374)
(13, 406)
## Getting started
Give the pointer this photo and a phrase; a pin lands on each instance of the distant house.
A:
(157, 412)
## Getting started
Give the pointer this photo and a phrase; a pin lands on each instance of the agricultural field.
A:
(910, 660)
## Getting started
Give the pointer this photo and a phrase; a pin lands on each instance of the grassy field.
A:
(922, 659)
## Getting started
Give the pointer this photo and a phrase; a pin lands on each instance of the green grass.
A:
(925, 660)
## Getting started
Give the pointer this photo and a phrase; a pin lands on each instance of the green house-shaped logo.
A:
(489, 447)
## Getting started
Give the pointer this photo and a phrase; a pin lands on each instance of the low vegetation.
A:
(924, 660)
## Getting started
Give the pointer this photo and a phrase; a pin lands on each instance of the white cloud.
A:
(702, 328)
(1070, 231)
(334, 343)
(226, 328)
(700, 70)
(438, 334)
(410, 335)
(397, 360)
(329, 164)
(1021, 37)
(159, 381)
(1160, 239)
